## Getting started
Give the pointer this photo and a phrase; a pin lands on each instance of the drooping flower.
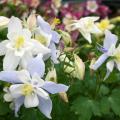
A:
(19, 48)
(109, 51)
(30, 89)
(86, 27)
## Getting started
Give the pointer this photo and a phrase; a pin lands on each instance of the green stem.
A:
(98, 84)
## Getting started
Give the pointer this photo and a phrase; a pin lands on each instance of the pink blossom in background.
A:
(32, 3)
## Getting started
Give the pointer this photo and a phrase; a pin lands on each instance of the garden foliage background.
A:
(87, 99)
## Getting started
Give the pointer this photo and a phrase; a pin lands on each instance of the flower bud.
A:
(66, 37)
(79, 67)
(64, 97)
(51, 75)
(3, 22)
(92, 62)
(31, 21)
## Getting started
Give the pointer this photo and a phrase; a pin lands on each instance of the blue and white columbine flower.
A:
(48, 37)
(30, 89)
(109, 51)
(19, 48)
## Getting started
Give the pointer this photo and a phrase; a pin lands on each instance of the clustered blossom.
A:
(28, 45)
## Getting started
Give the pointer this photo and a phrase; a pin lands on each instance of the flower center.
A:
(27, 89)
(42, 39)
(19, 42)
(103, 24)
(117, 57)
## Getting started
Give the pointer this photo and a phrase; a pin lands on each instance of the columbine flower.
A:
(86, 26)
(47, 37)
(19, 47)
(3, 22)
(105, 25)
(92, 5)
(109, 51)
(30, 89)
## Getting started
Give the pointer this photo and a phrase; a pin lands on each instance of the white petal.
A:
(25, 60)
(10, 61)
(31, 101)
(99, 62)
(16, 90)
(14, 25)
(42, 93)
(39, 48)
(24, 76)
(3, 47)
(19, 53)
(36, 80)
(111, 50)
(87, 36)
(45, 106)
(110, 39)
(27, 34)
(118, 65)
(36, 65)
(110, 65)
(18, 103)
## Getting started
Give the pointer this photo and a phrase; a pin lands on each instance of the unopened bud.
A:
(64, 97)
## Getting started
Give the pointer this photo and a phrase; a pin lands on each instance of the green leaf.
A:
(81, 107)
(114, 100)
(86, 108)
(4, 108)
(104, 105)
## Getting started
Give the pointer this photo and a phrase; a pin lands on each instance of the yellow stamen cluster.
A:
(117, 57)
(27, 89)
(104, 24)
(19, 42)
(55, 22)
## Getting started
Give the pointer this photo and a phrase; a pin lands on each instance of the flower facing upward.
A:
(30, 89)
(20, 47)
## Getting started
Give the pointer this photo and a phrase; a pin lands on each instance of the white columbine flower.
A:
(86, 26)
(109, 51)
(19, 47)
(48, 37)
(30, 89)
